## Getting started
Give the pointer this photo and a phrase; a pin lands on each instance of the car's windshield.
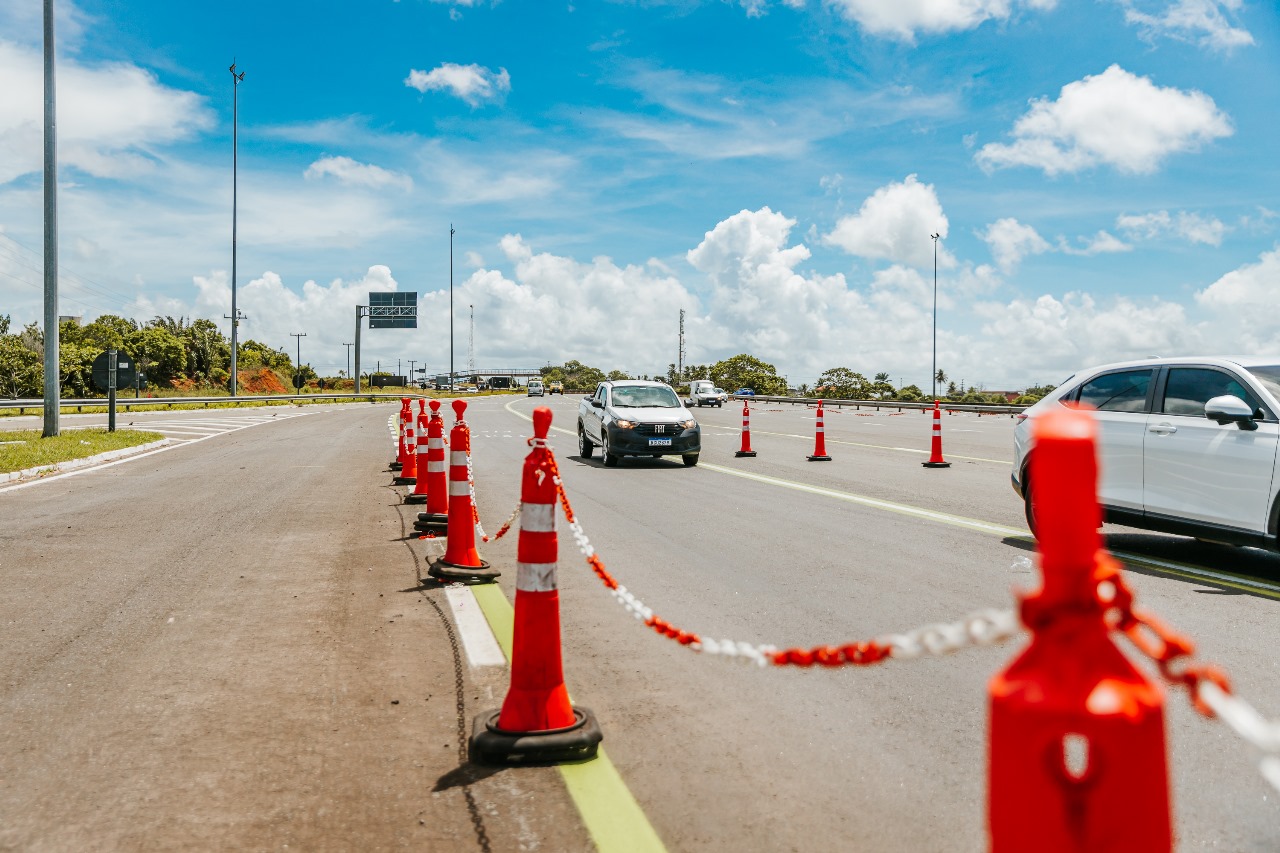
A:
(645, 397)
(1269, 376)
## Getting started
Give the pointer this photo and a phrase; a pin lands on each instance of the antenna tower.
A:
(681, 354)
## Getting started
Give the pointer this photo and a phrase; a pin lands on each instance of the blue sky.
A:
(1101, 173)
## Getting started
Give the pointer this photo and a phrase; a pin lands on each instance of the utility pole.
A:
(934, 375)
(471, 345)
(297, 370)
(235, 163)
(348, 346)
(412, 362)
(52, 385)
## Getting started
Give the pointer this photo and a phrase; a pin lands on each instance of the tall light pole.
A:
(451, 306)
(934, 375)
(412, 362)
(235, 163)
(348, 346)
(297, 368)
(52, 385)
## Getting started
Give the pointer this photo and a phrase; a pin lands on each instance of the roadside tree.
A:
(745, 371)
(841, 383)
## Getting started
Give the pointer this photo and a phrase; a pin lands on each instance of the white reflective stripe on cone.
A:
(538, 518)
(459, 488)
(458, 457)
(435, 466)
(536, 577)
(435, 442)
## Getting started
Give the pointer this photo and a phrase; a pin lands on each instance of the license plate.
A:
(659, 442)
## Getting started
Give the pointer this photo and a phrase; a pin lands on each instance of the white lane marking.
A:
(477, 637)
(92, 468)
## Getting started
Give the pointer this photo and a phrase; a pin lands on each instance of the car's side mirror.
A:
(1230, 409)
(596, 403)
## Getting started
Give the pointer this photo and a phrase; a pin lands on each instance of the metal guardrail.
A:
(877, 405)
(144, 402)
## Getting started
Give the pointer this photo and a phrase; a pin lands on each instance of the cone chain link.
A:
(982, 628)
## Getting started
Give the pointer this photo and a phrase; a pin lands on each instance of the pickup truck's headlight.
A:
(689, 424)
(621, 424)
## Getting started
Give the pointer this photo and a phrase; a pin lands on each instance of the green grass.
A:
(22, 449)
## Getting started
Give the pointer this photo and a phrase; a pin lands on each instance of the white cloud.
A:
(1011, 241)
(113, 119)
(903, 19)
(1203, 22)
(1114, 118)
(894, 224)
(472, 83)
(1250, 286)
(353, 173)
(1102, 243)
(1191, 227)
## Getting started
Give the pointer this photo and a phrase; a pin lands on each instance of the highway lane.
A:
(223, 646)
(726, 757)
(221, 724)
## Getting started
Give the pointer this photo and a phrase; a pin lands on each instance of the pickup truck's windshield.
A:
(645, 398)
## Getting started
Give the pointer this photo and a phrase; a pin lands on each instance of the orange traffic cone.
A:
(409, 470)
(820, 441)
(935, 454)
(1077, 753)
(398, 462)
(436, 518)
(419, 493)
(746, 450)
(461, 560)
(537, 723)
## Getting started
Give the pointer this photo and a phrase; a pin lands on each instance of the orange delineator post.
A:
(405, 461)
(1077, 742)
(537, 721)
(436, 518)
(409, 471)
(746, 450)
(461, 559)
(422, 440)
(935, 448)
(819, 440)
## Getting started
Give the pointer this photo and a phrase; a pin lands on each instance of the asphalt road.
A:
(152, 697)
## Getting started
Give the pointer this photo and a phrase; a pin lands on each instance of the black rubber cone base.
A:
(441, 526)
(411, 498)
(819, 458)
(404, 481)
(395, 466)
(936, 464)
(492, 745)
(741, 453)
(433, 518)
(446, 571)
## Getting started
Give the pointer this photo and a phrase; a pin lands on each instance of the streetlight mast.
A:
(52, 374)
(934, 375)
(235, 163)
(451, 376)
(348, 346)
(297, 368)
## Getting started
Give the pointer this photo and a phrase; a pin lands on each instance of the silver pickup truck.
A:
(637, 418)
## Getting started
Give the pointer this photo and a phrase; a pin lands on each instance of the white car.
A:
(1185, 445)
(535, 388)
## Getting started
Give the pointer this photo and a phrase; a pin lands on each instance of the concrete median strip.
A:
(612, 816)
(45, 471)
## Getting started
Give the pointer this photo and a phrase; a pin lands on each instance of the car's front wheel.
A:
(585, 447)
(689, 459)
(610, 459)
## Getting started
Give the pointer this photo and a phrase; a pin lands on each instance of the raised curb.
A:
(86, 462)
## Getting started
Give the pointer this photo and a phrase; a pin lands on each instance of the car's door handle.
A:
(1162, 429)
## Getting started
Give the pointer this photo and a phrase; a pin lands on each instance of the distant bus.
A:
(501, 383)
(442, 382)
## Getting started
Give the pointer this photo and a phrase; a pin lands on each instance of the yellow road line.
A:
(613, 818)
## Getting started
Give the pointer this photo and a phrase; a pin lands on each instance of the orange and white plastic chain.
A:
(471, 485)
(978, 629)
(506, 525)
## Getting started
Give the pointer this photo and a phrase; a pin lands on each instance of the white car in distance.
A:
(1185, 445)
